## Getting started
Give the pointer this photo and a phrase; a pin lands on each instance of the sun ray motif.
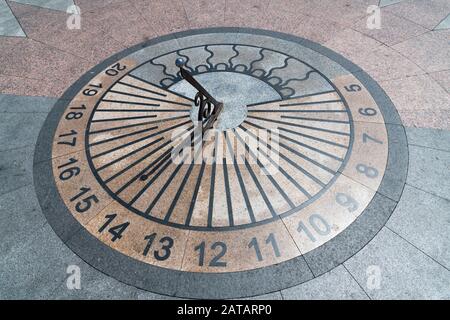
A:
(285, 74)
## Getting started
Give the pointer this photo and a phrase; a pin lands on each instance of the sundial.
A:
(219, 163)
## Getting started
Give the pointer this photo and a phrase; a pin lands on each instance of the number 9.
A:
(347, 201)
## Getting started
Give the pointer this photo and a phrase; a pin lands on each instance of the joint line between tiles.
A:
(354, 279)
(417, 248)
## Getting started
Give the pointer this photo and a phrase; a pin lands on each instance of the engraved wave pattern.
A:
(285, 74)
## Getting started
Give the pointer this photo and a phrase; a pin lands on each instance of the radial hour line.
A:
(272, 180)
(149, 98)
(293, 98)
(166, 157)
(129, 154)
(124, 119)
(280, 190)
(292, 180)
(310, 160)
(194, 196)
(141, 88)
(191, 137)
(164, 187)
(309, 103)
(137, 124)
(227, 188)
(139, 140)
(277, 186)
(312, 148)
(300, 143)
(132, 103)
(153, 179)
(123, 145)
(161, 159)
(133, 179)
(166, 90)
(174, 148)
(300, 126)
(294, 164)
(123, 136)
(212, 185)
(316, 119)
(261, 190)
(158, 167)
(307, 173)
(299, 111)
(180, 189)
(142, 110)
(138, 160)
(241, 182)
(310, 137)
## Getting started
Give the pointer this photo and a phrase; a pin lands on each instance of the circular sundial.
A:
(220, 163)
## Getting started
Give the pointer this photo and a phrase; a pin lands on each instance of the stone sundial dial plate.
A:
(234, 223)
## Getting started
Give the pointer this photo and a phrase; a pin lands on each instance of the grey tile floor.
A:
(409, 258)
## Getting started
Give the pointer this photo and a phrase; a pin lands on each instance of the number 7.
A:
(367, 137)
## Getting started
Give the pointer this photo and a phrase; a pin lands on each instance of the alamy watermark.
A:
(73, 281)
(374, 19)
(373, 274)
(74, 20)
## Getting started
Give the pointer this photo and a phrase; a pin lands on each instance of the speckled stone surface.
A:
(87, 43)
(404, 272)
(423, 12)
(394, 29)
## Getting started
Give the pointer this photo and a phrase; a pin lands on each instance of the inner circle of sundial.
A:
(286, 183)
(235, 90)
